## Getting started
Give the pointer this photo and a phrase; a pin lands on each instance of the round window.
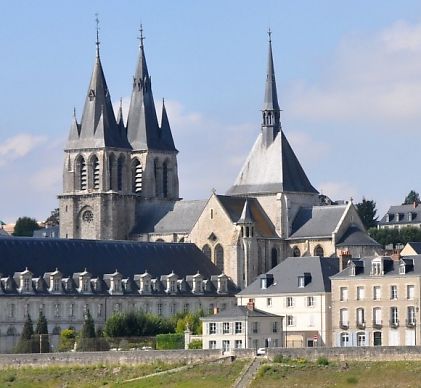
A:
(88, 216)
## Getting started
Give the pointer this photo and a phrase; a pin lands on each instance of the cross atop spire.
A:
(141, 37)
(97, 35)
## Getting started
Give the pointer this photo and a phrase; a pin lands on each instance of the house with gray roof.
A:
(401, 216)
(298, 289)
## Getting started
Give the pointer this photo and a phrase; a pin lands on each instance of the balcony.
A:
(394, 323)
(344, 325)
(410, 323)
(377, 324)
(360, 324)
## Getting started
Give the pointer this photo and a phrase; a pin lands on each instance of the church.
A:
(120, 182)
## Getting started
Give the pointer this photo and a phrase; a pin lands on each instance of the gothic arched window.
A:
(111, 171)
(82, 173)
(318, 251)
(207, 251)
(274, 257)
(155, 170)
(219, 257)
(120, 165)
(165, 179)
(137, 176)
(95, 172)
(296, 252)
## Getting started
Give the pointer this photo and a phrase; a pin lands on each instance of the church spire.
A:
(271, 112)
(166, 135)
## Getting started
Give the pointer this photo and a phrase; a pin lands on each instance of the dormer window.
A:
(376, 268)
(397, 217)
(56, 284)
(173, 286)
(222, 284)
(197, 283)
(352, 270)
(85, 284)
(410, 216)
(402, 269)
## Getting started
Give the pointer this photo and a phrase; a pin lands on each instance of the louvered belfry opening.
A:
(120, 164)
(95, 165)
(83, 174)
(165, 179)
(137, 176)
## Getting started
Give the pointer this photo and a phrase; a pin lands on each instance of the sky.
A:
(348, 76)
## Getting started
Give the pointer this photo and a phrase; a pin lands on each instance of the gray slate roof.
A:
(354, 236)
(316, 221)
(239, 312)
(403, 211)
(42, 255)
(167, 217)
(285, 276)
(274, 169)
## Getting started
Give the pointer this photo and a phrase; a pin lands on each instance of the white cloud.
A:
(47, 179)
(372, 78)
(19, 146)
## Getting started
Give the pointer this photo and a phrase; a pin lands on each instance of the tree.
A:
(86, 341)
(54, 218)
(25, 344)
(412, 197)
(367, 212)
(42, 334)
(25, 226)
(67, 340)
(396, 236)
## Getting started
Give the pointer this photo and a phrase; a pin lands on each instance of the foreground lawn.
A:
(210, 375)
(300, 373)
(76, 376)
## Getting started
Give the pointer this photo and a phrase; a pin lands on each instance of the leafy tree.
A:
(367, 212)
(86, 340)
(192, 320)
(67, 340)
(396, 236)
(25, 344)
(54, 218)
(25, 226)
(196, 344)
(42, 334)
(412, 197)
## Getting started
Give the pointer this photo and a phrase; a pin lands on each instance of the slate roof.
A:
(234, 207)
(316, 221)
(239, 312)
(403, 211)
(42, 255)
(274, 169)
(167, 217)
(285, 276)
(391, 267)
(354, 236)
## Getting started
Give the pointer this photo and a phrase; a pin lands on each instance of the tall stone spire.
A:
(142, 124)
(166, 135)
(270, 112)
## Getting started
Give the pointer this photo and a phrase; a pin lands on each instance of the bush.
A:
(279, 359)
(352, 380)
(322, 361)
(169, 341)
(67, 340)
(196, 344)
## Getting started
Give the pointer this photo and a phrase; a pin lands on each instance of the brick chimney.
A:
(344, 256)
(415, 204)
(250, 304)
(215, 310)
(396, 256)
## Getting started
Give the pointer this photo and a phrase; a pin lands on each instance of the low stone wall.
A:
(108, 358)
(385, 353)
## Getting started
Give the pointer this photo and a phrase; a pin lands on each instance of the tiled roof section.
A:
(234, 207)
(168, 217)
(101, 257)
(402, 214)
(285, 276)
(354, 236)
(239, 312)
(272, 169)
(391, 267)
(317, 221)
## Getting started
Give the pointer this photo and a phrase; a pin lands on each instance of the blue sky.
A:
(348, 73)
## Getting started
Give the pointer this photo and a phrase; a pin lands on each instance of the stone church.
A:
(120, 182)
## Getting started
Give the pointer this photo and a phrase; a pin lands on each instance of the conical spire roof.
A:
(271, 95)
(246, 217)
(166, 134)
(143, 131)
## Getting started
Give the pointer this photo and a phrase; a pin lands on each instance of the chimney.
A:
(396, 255)
(250, 305)
(344, 256)
(215, 310)
(415, 204)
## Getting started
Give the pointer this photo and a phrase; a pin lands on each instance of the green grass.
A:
(76, 376)
(290, 373)
(210, 375)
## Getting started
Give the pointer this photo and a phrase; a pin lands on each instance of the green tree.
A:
(367, 212)
(67, 339)
(41, 330)
(395, 236)
(25, 226)
(87, 337)
(192, 320)
(25, 344)
(412, 197)
(54, 218)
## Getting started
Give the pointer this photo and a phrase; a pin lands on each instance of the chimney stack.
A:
(344, 256)
(250, 305)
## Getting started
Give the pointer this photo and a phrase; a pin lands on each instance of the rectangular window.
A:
(71, 309)
(274, 327)
(255, 327)
(343, 291)
(410, 292)
(290, 301)
(211, 308)
(360, 293)
(99, 310)
(393, 292)
(26, 284)
(411, 315)
(212, 344)
(159, 308)
(238, 327)
(376, 293)
(186, 307)
(212, 328)
(12, 309)
(301, 282)
(238, 344)
(26, 310)
(56, 284)
(57, 310)
(275, 343)
(255, 343)
(290, 320)
(225, 328)
(268, 302)
(310, 301)
(225, 345)
(394, 316)
(173, 308)
(117, 307)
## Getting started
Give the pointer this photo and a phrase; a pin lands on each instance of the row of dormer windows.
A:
(397, 217)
